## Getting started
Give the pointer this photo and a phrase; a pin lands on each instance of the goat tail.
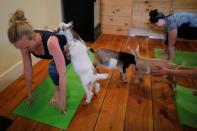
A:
(91, 49)
(95, 51)
(100, 76)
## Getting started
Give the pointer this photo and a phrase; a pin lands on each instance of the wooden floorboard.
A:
(114, 107)
(146, 106)
(86, 116)
(139, 109)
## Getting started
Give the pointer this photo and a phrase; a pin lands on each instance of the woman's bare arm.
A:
(172, 36)
(27, 63)
(56, 52)
(189, 73)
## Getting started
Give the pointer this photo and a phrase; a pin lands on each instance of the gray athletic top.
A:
(175, 20)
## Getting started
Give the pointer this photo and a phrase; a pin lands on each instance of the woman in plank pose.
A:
(177, 25)
(42, 44)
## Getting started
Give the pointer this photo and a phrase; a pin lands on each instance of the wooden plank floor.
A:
(119, 106)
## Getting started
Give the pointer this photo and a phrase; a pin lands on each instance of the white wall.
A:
(42, 14)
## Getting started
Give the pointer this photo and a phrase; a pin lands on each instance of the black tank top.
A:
(45, 36)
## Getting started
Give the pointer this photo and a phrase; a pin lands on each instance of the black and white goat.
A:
(113, 59)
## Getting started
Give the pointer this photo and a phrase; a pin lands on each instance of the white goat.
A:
(81, 61)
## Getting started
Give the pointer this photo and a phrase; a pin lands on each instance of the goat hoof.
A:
(88, 98)
(125, 80)
(97, 88)
(84, 103)
(136, 81)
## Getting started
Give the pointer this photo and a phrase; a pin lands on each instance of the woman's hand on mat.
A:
(61, 102)
(63, 108)
(58, 99)
(29, 100)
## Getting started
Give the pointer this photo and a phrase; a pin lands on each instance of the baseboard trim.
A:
(13, 73)
(145, 32)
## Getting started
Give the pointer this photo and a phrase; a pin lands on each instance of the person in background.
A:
(188, 73)
(42, 44)
(177, 25)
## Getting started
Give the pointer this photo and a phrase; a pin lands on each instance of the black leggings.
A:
(185, 32)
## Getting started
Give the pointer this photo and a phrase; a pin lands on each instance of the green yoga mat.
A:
(188, 58)
(186, 104)
(40, 110)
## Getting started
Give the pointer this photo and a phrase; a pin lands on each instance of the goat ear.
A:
(56, 30)
(131, 50)
(60, 26)
(70, 24)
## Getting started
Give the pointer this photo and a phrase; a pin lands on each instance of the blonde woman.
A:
(42, 44)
